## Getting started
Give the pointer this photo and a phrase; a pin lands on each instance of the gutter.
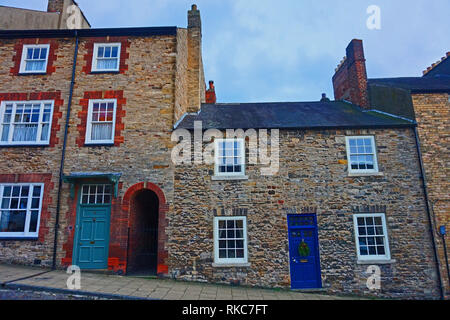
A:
(430, 219)
(63, 153)
(82, 33)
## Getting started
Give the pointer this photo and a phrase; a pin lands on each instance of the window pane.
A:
(107, 52)
(33, 221)
(43, 53)
(15, 191)
(12, 221)
(114, 52)
(5, 132)
(100, 52)
(222, 253)
(36, 191)
(35, 65)
(25, 132)
(101, 131)
(5, 203)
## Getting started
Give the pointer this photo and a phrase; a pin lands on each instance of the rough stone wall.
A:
(433, 118)
(28, 162)
(143, 155)
(313, 175)
(196, 77)
(181, 81)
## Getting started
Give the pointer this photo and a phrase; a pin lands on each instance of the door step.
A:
(99, 271)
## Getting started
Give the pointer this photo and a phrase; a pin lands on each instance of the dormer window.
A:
(34, 59)
(106, 57)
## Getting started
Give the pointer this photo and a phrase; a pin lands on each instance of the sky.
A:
(287, 50)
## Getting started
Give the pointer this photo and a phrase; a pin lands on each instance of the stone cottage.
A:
(114, 155)
(426, 101)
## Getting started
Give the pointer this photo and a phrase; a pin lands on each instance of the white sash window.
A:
(101, 121)
(25, 122)
(34, 58)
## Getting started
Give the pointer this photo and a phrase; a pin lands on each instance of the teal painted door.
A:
(92, 241)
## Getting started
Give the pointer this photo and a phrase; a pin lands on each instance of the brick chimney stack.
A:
(350, 79)
(196, 83)
(55, 6)
(211, 93)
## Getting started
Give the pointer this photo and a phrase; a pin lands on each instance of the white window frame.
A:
(40, 123)
(89, 122)
(96, 194)
(218, 260)
(387, 255)
(216, 158)
(23, 61)
(95, 57)
(375, 157)
(26, 233)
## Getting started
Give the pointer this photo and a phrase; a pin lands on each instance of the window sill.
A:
(228, 178)
(105, 72)
(18, 239)
(23, 145)
(231, 265)
(365, 174)
(391, 261)
(111, 144)
(32, 73)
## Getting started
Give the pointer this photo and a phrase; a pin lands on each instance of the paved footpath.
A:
(127, 287)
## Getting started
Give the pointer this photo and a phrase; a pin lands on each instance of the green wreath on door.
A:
(303, 249)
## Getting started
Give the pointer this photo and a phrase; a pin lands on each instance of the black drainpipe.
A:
(430, 219)
(61, 166)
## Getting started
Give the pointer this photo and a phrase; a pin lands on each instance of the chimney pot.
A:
(194, 20)
(211, 93)
(324, 98)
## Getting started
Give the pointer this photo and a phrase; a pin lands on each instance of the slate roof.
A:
(440, 68)
(289, 115)
(438, 83)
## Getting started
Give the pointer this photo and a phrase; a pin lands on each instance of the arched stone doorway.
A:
(143, 246)
(146, 207)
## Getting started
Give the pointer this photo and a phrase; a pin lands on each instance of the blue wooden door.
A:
(304, 264)
(92, 237)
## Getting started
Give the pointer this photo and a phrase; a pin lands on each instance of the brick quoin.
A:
(71, 217)
(124, 55)
(120, 114)
(38, 96)
(19, 49)
(162, 256)
(46, 179)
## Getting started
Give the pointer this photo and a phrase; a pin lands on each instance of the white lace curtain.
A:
(101, 131)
